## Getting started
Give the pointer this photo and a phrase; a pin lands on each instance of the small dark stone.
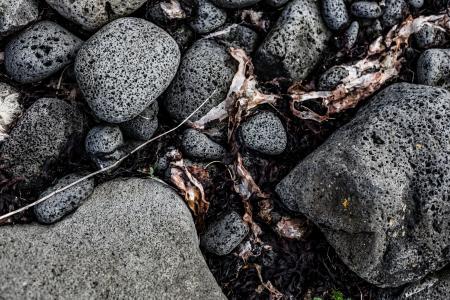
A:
(366, 9)
(335, 14)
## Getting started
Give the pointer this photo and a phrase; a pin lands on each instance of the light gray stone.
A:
(333, 77)
(366, 9)
(394, 12)
(92, 14)
(56, 207)
(144, 126)
(222, 236)
(104, 144)
(132, 239)
(433, 68)
(335, 14)
(16, 14)
(40, 51)
(199, 145)
(378, 187)
(264, 133)
(416, 3)
(208, 17)
(296, 43)
(124, 67)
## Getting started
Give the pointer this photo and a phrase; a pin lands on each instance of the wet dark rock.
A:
(104, 144)
(40, 51)
(433, 68)
(333, 77)
(16, 14)
(237, 36)
(350, 35)
(144, 126)
(378, 187)
(124, 67)
(335, 14)
(394, 12)
(366, 9)
(199, 145)
(430, 36)
(295, 44)
(234, 3)
(208, 17)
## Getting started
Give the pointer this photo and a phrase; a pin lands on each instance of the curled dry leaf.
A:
(292, 228)
(382, 64)
(172, 9)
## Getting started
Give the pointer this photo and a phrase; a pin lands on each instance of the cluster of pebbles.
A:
(139, 62)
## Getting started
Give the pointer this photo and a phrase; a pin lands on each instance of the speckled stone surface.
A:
(208, 17)
(16, 14)
(433, 68)
(366, 9)
(234, 3)
(124, 67)
(144, 125)
(335, 14)
(237, 36)
(40, 51)
(394, 12)
(331, 78)
(198, 145)
(103, 144)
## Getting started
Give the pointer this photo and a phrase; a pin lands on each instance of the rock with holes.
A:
(433, 68)
(40, 51)
(430, 36)
(92, 14)
(237, 36)
(378, 188)
(333, 77)
(394, 12)
(124, 67)
(144, 125)
(208, 17)
(295, 44)
(104, 144)
(132, 239)
(16, 14)
(199, 145)
(206, 71)
(276, 3)
(56, 207)
(335, 14)
(42, 139)
(264, 133)
(222, 236)
(366, 9)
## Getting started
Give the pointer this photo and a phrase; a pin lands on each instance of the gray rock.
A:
(375, 29)
(92, 14)
(144, 126)
(198, 145)
(416, 3)
(394, 12)
(16, 14)
(10, 110)
(234, 3)
(351, 35)
(237, 36)
(40, 51)
(276, 3)
(264, 133)
(435, 287)
(295, 45)
(208, 17)
(41, 139)
(333, 77)
(335, 14)
(366, 9)
(183, 35)
(222, 236)
(377, 188)
(124, 67)
(132, 239)
(433, 68)
(206, 67)
(104, 144)
(56, 207)
(430, 36)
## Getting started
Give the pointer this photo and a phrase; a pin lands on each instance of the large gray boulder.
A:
(296, 43)
(378, 187)
(132, 239)
(16, 14)
(41, 139)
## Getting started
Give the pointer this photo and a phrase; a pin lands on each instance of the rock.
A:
(335, 14)
(366, 9)
(416, 3)
(183, 35)
(40, 51)
(276, 3)
(41, 139)
(296, 43)
(264, 133)
(394, 12)
(351, 35)
(208, 17)
(237, 36)
(222, 236)
(430, 36)
(198, 145)
(433, 68)
(206, 67)
(16, 14)
(144, 126)
(234, 3)
(377, 188)
(62, 204)
(435, 286)
(104, 144)
(333, 77)
(133, 238)
(124, 67)
(93, 14)
(10, 110)
(374, 30)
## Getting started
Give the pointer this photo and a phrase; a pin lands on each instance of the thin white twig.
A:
(103, 170)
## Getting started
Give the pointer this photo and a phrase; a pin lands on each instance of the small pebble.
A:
(237, 36)
(198, 145)
(366, 9)
(335, 14)
(329, 80)
(144, 126)
(394, 12)
(234, 3)
(103, 143)
(416, 3)
(56, 207)
(430, 36)
(208, 18)
(351, 35)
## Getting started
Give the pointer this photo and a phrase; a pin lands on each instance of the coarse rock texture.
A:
(104, 144)
(264, 133)
(199, 145)
(378, 187)
(433, 287)
(366, 9)
(92, 14)
(237, 36)
(40, 51)
(132, 238)
(144, 125)
(206, 70)
(16, 14)
(430, 36)
(56, 207)
(394, 12)
(335, 14)
(295, 44)
(332, 78)
(416, 3)
(10, 108)
(124, 67)
(276, 3)
(350, 36)
(234, 3)
(41, 139)
(433, 68)
(208, 17)
(222, 236)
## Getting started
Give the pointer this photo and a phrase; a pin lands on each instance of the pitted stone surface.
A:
(144, 125)
(335, 14)
(366, 9)
(433, 68)
(16, 14)
(199, 145)
(208, 17)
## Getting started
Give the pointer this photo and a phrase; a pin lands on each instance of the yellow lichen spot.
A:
(346, 203)
(419, 146)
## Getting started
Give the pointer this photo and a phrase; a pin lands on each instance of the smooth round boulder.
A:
(40, 51)
(124, 67)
